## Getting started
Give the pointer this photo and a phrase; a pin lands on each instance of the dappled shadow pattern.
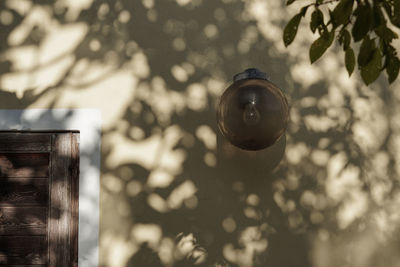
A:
(173, 192)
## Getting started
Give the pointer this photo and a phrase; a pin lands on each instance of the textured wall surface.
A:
(173, 192)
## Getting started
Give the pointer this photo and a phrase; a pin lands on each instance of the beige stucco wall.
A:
(173, 193)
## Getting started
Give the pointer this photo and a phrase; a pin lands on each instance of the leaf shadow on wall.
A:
(172, 195)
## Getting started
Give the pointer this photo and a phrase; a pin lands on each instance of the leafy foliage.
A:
(349, 60)
(367, 22)
(291, 30)
(320, 45)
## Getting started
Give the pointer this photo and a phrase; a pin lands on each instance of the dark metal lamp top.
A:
(251, 73)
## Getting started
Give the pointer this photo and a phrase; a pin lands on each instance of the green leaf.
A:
(289, 33)
(371, 71)
(303, 11)
(289, 2)
(385, 33)
(366, 53)
(345, 39)
(317, 19)
(378, 17)
(342, 12)
(319, 46)
(362, 23)
(395, 19)
(392, 68)
(349, 60)
(392, 9)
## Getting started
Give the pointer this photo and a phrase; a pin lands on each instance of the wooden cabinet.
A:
(39, 179)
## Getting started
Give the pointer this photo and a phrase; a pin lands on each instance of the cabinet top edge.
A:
(39, 131)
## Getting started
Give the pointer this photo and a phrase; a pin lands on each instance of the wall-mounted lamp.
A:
(253, 113)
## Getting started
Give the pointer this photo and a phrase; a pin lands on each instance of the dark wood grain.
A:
(23, 221)
(39, 194)
(24, 165)
(25, 142)
(23, 250)
(23, 192)
(60, 200)
(74, 180)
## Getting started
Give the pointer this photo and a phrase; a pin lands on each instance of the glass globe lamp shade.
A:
(252, 113)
